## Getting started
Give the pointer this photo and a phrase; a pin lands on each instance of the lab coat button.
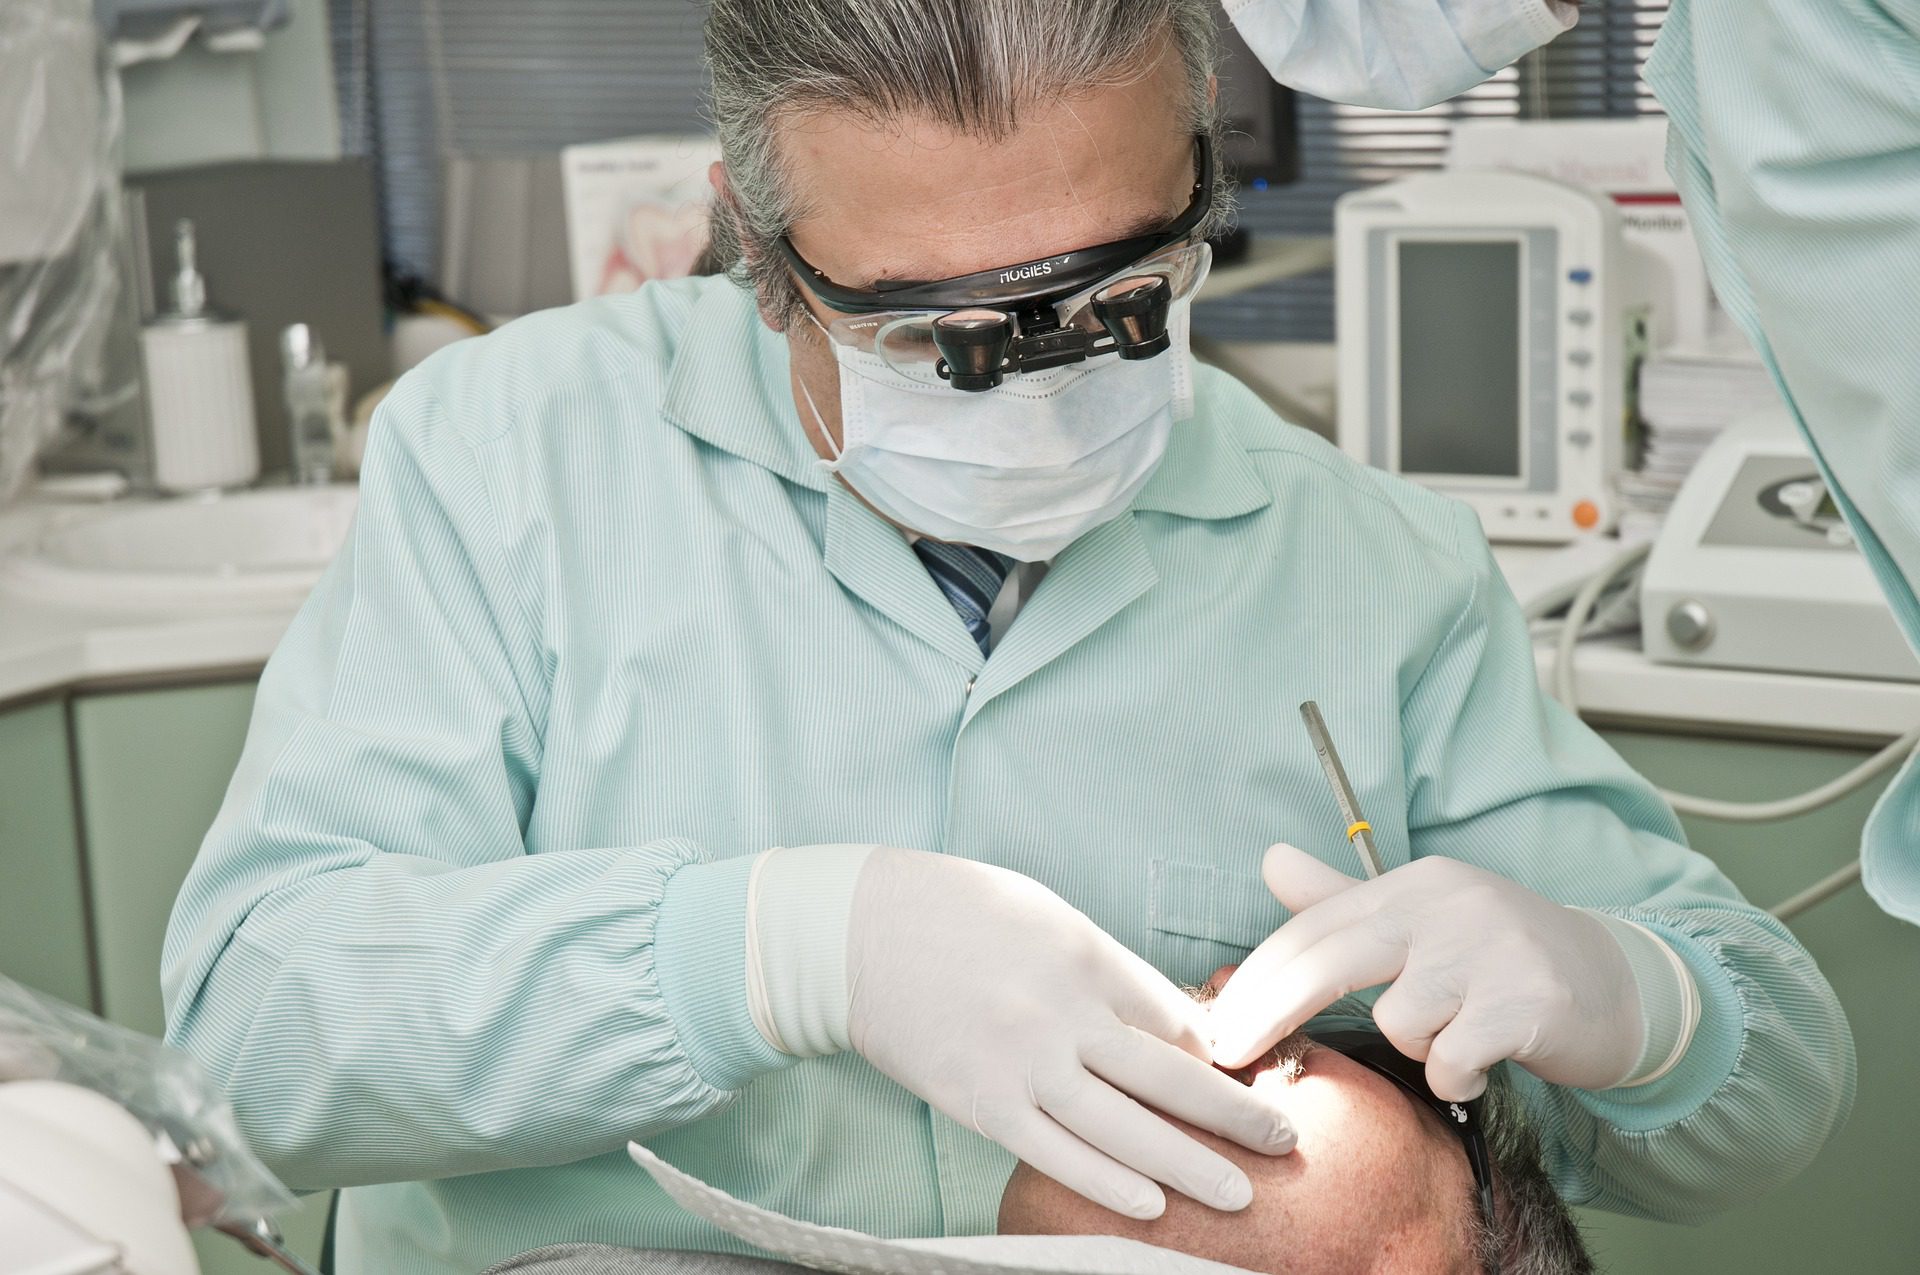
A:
(970, 682)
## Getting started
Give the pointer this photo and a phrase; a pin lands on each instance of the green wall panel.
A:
(43, 929)
(154, 766)
(1853, 1210)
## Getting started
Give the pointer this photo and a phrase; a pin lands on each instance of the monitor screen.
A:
(1460, 355)
(1262, 146)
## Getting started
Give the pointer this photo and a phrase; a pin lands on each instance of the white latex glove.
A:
(1002, 1006)
(1482, 969)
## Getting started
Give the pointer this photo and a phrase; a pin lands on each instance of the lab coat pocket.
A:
(1204, 917)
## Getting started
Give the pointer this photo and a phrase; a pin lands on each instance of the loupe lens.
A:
(1134, 313)
(974, 345)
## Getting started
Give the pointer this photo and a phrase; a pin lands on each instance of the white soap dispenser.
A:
(199, 389)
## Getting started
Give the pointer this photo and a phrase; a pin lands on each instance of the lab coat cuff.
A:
(1669, 998)
(700, 957)
(1498, 35)
(800, 903)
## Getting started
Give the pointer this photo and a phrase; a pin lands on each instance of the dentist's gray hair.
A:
(971, 65)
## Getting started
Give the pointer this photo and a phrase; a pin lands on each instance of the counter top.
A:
(48, 646)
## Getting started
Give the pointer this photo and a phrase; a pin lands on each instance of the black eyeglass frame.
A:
(1055, 277)
(1376, 1053)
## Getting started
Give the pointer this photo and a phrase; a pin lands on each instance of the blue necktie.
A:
(971, 579)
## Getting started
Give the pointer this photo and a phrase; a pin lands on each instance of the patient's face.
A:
(1375, 1184)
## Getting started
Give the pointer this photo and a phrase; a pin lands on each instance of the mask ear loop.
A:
(839, 453)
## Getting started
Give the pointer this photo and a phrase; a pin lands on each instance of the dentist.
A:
(811, 719)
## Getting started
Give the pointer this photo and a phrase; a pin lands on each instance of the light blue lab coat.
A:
(471, 914)
(1796, 143)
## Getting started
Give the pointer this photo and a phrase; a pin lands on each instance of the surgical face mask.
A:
(1023, 469)
(1400, 54)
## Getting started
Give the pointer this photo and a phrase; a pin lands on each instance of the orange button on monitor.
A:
(1586, 515)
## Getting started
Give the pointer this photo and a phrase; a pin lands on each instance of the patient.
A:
(1378, 1183)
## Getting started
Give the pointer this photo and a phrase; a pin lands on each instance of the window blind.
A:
(421, 78)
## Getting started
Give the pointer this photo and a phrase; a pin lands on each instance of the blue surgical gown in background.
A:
(1795, 139)
(471, 915)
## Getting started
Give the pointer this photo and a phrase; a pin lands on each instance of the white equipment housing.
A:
(1754, 568)
(1484, 344)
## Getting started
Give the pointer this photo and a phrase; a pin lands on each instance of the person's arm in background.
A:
(364, 954)
(1795, 140)
(1400, 54)
(1502, 777)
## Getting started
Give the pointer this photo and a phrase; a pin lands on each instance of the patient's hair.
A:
(1533, 1231)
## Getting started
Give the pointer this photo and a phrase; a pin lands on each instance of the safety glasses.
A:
(974, 330)
(1374, 1052)
(976, 349)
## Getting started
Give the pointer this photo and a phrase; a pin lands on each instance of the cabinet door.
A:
(1853, 1209)
(43, 923)
(153, 768)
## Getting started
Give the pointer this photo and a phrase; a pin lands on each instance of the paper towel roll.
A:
(200, 399)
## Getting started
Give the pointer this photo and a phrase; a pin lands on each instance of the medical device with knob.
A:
(1486, 341)
(1754, 568)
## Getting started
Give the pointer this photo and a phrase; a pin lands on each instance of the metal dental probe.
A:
(1359, 831)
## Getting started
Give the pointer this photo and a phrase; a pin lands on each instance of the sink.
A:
(265, 546)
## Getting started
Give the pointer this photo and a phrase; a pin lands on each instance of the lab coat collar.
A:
(705, 396)
(1206, 473)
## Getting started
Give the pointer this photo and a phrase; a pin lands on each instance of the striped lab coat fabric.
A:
(471, 914)
(1795, 131)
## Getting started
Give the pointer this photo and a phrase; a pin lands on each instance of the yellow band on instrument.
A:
(1359, 826)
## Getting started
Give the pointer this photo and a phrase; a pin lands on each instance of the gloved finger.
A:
(1043, 1143)
(1265, 1000)
(1415, 1010)
(1148, 1000)
(1162, 1076)
(1461, 1055)
(1299, 880)
(1110, 1121)
(1354, 903)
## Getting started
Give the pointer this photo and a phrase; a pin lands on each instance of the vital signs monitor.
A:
(1485, 347)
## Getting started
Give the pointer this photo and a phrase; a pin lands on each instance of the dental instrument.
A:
(1359, 831)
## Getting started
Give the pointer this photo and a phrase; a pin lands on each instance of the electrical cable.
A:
(1819, 892)
(1825, 794)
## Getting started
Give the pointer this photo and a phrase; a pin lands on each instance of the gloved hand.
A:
(1481, 968)
(991, 998)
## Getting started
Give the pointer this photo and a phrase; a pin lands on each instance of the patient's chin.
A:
(1034, 1204)
(1370, 1188)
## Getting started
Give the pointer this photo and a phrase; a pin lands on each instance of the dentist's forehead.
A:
(911, 199)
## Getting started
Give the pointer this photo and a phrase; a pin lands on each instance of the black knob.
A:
(973, 345)
(1134, 313)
